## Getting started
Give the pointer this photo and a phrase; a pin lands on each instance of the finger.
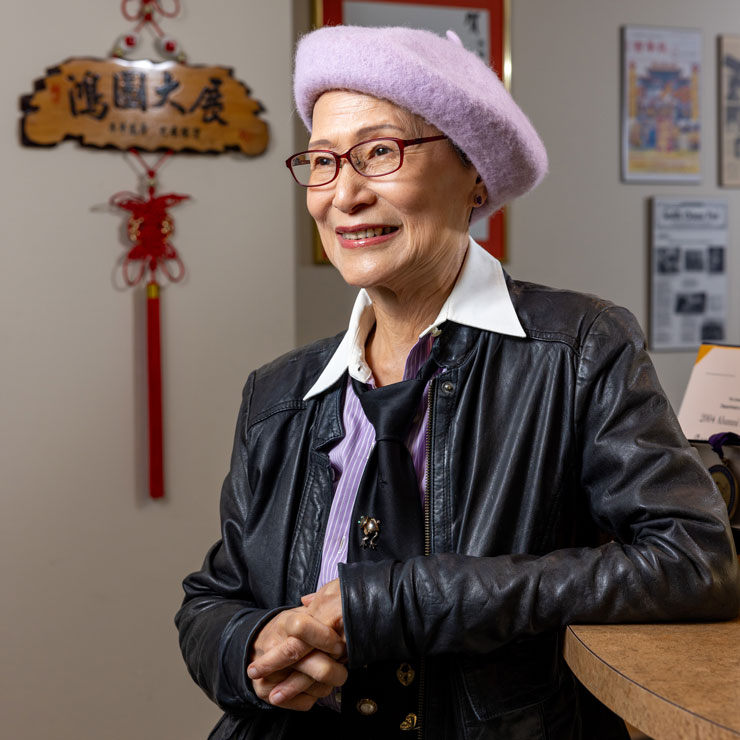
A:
(320, 690)
(272, 633)
(326, 606)
(301, 703)
(316, 675)
(275, 678)
(283, 655)
(306, 627)
(297, 683)
(278, 658)
(306, 633)
(263, 687)
(307, 599)
(322, 669)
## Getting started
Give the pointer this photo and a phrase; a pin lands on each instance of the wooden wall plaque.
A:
(148, 105)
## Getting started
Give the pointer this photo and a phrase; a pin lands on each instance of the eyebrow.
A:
(360, 132)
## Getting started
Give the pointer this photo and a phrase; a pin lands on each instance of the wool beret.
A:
(437, 79)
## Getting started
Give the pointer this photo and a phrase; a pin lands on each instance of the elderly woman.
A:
(416, 508)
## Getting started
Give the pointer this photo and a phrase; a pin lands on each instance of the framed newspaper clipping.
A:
(689, 302)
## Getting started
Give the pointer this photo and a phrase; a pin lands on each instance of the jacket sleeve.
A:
(218, 618)
(672, 556)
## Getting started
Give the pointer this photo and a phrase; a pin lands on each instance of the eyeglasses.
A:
(373, 158)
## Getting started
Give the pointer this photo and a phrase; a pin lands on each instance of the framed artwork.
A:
(729, 111)
(661, 123)
(483, 27)
(689, 291)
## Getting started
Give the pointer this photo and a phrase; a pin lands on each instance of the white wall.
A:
(90, 568)
(582, 228)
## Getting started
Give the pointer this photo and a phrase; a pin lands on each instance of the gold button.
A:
(367, 706)
(405, 674)
(410, 722)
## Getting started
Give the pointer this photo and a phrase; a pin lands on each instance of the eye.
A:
(380, 150)
(322, 160)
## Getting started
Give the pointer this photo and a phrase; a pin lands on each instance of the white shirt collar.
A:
(479, 299)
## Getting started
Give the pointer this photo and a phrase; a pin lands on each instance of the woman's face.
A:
(426, 204)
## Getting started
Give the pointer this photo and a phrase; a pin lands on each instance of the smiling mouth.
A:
(367, 233)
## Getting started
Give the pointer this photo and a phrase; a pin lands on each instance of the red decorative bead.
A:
(170, 46)
(130, 41)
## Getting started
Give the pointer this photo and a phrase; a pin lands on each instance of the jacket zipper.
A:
(427, 512)
(427, 543)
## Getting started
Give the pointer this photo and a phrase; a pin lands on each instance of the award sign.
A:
(711, 404)
(710, 418)
(145, 105)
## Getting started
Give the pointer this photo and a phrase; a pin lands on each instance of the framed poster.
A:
(661, 125)
(483, 27)
(689, 301)
(729, 111)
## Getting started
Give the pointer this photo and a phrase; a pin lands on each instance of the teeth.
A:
(367, 233)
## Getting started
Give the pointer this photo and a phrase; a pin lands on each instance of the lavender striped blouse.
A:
(349, 456)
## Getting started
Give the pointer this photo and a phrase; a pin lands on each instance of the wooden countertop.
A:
(671, 681)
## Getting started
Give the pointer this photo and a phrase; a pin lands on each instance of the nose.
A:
(352, 191)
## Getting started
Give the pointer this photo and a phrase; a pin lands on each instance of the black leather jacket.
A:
(538, 447)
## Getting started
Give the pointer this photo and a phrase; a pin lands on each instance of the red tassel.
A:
(154, 369)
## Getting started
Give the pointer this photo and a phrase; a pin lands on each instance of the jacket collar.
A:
(479, 299)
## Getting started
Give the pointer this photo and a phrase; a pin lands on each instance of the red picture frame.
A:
(330, 13)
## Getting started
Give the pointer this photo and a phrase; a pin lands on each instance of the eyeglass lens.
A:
(369, 158)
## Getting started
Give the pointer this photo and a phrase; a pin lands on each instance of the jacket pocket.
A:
(517, 675)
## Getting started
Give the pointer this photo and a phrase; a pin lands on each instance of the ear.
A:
(480, 193)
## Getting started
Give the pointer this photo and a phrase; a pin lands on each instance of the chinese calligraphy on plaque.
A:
(143, 104)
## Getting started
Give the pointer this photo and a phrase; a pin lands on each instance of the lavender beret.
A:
(439, 80)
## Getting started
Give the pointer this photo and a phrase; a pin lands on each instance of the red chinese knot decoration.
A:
(149, 229)
(146, 15)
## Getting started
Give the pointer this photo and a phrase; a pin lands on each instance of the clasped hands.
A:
(297, 657)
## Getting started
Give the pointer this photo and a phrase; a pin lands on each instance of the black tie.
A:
(387, 520)
(380, 701)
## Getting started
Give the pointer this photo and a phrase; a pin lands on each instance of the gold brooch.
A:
(371, 530)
